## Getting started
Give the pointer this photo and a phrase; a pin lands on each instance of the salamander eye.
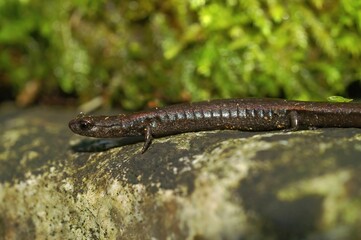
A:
(85, 125)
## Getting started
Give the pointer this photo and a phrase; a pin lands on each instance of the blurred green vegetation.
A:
(132, 52)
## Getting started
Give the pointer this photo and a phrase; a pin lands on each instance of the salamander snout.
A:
(81, 126)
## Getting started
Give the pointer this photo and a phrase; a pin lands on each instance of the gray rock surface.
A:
(205, 185)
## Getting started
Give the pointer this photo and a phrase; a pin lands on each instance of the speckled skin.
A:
(237, 114)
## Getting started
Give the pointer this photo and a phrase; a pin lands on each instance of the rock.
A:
(205, 185)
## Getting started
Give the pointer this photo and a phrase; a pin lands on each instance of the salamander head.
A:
(98, 126)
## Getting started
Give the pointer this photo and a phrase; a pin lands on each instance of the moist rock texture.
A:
(205, 185)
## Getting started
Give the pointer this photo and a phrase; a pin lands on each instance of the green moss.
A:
(134, 52)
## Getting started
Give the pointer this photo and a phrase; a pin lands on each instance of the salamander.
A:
(247, 114)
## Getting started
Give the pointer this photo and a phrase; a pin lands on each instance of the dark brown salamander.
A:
(239, 114)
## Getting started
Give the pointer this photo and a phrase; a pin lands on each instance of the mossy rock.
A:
(205, 185)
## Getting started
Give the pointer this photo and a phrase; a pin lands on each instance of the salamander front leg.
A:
(148, 138)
